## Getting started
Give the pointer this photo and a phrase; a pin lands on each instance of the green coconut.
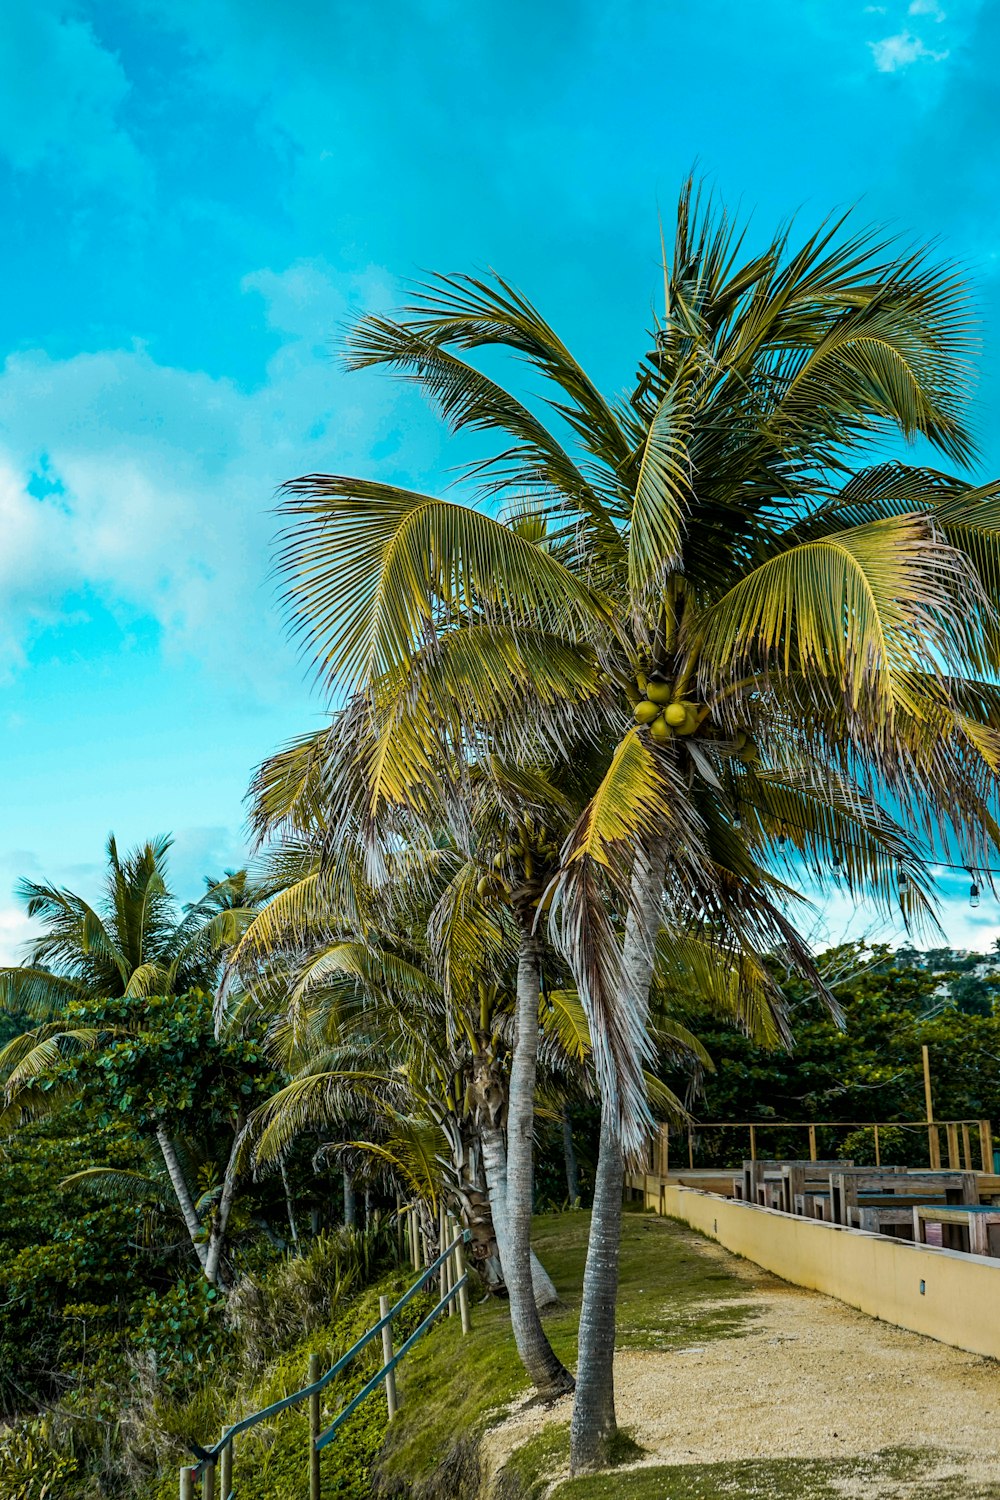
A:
(660, 731)
(659, 692)
(646, 712)
(675, 714)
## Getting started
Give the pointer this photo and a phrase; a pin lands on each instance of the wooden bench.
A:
(791, 1175)
(978, 1224)
(956, 1187)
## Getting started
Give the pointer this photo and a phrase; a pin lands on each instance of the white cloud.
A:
(152, 486)
(15, 930)
(895, 52)
(927, 8)
(61, 97)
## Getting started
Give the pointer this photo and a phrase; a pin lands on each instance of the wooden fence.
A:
(217, 1462)
(965, 1140)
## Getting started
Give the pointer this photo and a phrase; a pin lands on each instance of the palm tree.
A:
(781, 640)
(134, 946)
(468, 917)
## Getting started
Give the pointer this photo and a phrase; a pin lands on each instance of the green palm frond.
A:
(117, 1185)
(857, 612)
(370, 566)
(36, 994)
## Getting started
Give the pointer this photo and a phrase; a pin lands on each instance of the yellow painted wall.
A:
(960, 1303)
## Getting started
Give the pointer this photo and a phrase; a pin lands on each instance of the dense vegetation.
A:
(111, 1332)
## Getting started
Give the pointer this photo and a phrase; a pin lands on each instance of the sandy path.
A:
(812, 1378)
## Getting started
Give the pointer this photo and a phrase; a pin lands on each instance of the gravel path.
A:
(811, 1378)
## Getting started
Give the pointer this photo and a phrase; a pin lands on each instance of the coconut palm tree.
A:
(136, 945)
(781, 639)
(469, 913)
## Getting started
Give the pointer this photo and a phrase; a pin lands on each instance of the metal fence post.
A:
(390, 1379)
(208, 1482)
(187, 1484)
(463, 1291)
(315, 1370)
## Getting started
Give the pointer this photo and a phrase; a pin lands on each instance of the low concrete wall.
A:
(946, 1295)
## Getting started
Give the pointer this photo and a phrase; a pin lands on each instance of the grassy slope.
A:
(450, 1388)
(671, 1296)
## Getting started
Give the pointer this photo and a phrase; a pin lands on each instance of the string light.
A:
(973, 889)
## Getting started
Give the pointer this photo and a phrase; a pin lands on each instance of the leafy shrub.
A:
(182, 1330)
(29, 1468)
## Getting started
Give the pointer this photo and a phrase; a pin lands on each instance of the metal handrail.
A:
(209, 1457)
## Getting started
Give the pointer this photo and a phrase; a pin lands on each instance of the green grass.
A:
(894, 1472)
(451, 1388)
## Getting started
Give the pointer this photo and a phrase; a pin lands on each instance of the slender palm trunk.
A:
(495, 1167)
(569, 1160)
(350, 1202)
(537, 1355)
(217, 1238)
(593, 1424)
(289, 1206)
(182, 1193)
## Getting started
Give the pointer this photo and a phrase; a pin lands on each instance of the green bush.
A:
(183, 1330)
(30, 1469)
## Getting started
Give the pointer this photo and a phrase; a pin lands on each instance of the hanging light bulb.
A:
(903, 882)
(782, 837)
(973, 894)
(837, 864)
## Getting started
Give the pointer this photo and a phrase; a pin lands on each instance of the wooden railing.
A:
(217, 1462)
(964, 1139)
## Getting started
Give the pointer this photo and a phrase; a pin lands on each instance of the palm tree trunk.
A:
(547, 1371)
(182, 1193)
(593, 1425)
(495, 1167)
(289, 1206)
(350, 1202)
(220, 1223)
(569, 1158)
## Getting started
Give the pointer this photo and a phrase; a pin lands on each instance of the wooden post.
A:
(449, 1230)
(878, 1153)
(933, 1139)
(986, 1144)
(966, 1149)
(226, 1470)
(690, 1149)
(664, 1148)
(315, 1371)
(187, 1484)
(812, 1143)
(399, 1228)
(390, 1379)
(463, 1291)
(753, 1144)
(208, 1483)
(951, 1133)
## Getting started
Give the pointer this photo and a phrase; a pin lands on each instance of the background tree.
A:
(120, 997)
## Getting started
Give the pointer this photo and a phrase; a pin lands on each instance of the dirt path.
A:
(811, 1378)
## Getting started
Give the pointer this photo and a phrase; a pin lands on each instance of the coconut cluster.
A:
(665, 715)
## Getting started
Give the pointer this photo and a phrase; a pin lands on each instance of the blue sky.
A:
(197, 194)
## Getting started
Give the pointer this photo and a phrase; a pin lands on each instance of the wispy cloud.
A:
(61, 99)
(927, 8)
(151, 487)
(895, 52)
